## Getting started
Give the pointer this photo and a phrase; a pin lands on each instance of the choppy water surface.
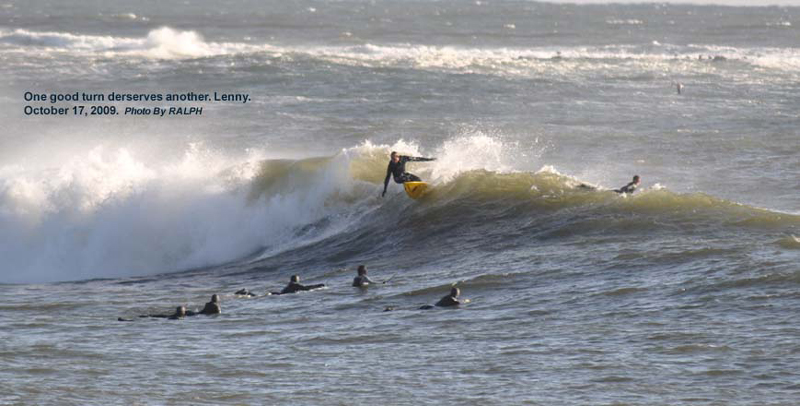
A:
(683, 293)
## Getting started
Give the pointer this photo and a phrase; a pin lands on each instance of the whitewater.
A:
(683, 293)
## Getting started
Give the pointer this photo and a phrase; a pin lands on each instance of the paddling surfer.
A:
(451, 300)
(294, 286)
(180, 312)
(210, 308)
(362, 279)
(630, 187)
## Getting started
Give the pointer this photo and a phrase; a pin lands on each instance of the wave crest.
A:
(161, 43)
(169, 43)
(108, 214)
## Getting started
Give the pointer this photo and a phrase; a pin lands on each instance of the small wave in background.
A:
(106, 214)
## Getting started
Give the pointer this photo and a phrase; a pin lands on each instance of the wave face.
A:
(684, 293)
(520, 106)
(106, 214)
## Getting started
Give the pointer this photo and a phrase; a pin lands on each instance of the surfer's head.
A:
(180, 311)
(455, 292)
(636, 179)
(362, 270)
(295, 279)
(214, 298)
(395, 156)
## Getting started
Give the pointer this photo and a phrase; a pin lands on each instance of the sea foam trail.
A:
(169, 43)
(106, 213)
(161, 43)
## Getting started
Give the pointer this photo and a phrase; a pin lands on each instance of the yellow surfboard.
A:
(415, 190)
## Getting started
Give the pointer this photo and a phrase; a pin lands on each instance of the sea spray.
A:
(108, 214)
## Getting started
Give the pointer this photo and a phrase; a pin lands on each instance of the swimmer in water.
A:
(362, 279)
(630, 187)
(294, 286)
(180, 313)
(397, 168)
(450, 300)
(212, 307)
(244, 292)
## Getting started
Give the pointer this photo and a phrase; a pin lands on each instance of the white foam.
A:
(126, 16)
(108, 213)
(169, 43)
(784, 59)
(470, 151)
(161, 43)
(624, 22)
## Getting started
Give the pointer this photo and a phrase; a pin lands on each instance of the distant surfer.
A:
(294, 286)
(397, 168)
(450, 300)
(630, 187)
(210, 308)
(180, 312)
(245, 292)
(362, 280)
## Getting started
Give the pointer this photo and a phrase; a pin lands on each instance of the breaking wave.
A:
(108, 214)
(162, 43)
(169, 43)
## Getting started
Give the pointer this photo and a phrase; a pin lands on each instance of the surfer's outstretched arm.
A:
(420, 159)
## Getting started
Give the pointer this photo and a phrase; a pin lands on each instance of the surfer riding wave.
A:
(397, 168)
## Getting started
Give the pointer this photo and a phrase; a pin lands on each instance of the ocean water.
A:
(684, 293)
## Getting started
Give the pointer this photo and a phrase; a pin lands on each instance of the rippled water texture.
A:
(684, 293)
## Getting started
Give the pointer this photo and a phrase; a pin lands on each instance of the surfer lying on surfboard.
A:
(625, 190)
(630, 187)
(397, 167)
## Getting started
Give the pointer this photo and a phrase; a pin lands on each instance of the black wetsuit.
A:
(362, 280)
(175, 316)
(294, 287)
(448, 301)
(398, 170)
(629, 188)
(244, 292)
(209, 309)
